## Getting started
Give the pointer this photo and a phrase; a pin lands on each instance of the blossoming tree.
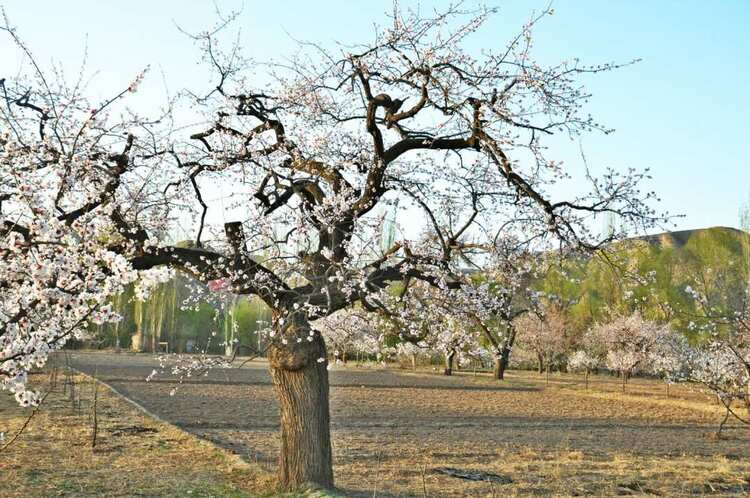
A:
(720, 361)
(351, 330)
(582, 360)
(308, 155)
(494, 299)
(544, 333)
(428, 318)
(629, 343)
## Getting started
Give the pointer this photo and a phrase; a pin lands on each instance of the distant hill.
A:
(679, 239)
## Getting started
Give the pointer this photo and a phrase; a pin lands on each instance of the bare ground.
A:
(392, 430)
(134, 454)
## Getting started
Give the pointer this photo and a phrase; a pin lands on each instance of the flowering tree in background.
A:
(407, 352)
(486, 306)
(629, 343)
(89, 191)
(720, 361)
(583, 361)
(719, 369)
(477, 315)
(351, 330)
(543, 332)
(451, 340)
(711, 365)
(498, 296)
(423, 318)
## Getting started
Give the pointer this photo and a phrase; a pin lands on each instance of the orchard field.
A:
(392, 430)
(244, 204)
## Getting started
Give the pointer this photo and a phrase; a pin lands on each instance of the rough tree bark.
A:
(301, 384)
(497, 370)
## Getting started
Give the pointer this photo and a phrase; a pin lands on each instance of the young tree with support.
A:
(584, 361)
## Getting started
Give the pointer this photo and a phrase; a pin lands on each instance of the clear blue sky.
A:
(683, 111)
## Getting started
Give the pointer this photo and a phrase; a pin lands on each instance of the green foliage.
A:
(250, 315)
(163, 318)
(650, 275)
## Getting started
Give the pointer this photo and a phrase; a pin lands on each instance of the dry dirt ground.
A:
(391, 430)
(134, 455)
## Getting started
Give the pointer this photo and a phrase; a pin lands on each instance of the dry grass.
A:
(641, 443)
(391, 431)
(134, 455)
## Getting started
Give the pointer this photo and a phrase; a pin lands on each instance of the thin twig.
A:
(95, 422)
(28, 420)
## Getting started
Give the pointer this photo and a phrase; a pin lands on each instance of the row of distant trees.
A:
(657, 281)
(676, 311)
(649, 279)
(173, 319)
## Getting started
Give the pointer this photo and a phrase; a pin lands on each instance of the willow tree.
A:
(310, 154)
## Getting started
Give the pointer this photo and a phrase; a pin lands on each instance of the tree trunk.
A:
(301, 384)
(497, 370)
(501, 364)
(587, 379)
(449, 362)
(540, 360)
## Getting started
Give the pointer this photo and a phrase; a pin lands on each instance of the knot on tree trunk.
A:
(297, 346)
(296, 355)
